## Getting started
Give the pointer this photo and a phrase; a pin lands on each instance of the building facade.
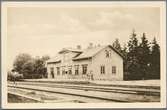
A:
(96, 63)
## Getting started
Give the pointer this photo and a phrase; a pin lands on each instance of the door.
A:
(52, 72)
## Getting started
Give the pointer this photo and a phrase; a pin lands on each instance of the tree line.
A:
(141, 59)
(29, 67)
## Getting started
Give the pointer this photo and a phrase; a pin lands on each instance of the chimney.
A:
(90, 45)
(98, 45)
(79, 47)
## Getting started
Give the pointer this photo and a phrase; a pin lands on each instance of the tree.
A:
(39, 65)
(23, 64)
(125, 68)
(143, 56)
(132, 58)
(155, 60)
(124, 50)
(45, 58)
(38, 68)
(30, 67)
(117, 45)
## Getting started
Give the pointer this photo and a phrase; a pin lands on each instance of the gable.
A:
(88, 53)
(111, 57)
(120, 54)
(111, 52)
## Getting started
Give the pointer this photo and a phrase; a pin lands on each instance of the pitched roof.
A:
(70, 49)
(89, 52)
(120, 54)
(57, 58)
(83, 54)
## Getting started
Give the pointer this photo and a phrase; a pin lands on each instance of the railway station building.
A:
(96, 63)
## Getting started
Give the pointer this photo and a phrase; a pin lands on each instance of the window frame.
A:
(107, 54)
(102, 69)
(69, 70)
(110, 53)
(84, 69)
(114, 70)
(63, 70)
(58, 70)
(76, 69)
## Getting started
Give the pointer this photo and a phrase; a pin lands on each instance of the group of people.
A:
(90, 75)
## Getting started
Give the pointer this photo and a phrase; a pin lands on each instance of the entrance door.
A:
(52, 72)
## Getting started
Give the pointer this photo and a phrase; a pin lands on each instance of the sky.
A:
(42, 31)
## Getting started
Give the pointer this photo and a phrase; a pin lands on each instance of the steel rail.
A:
(87, 96)
(114, 90)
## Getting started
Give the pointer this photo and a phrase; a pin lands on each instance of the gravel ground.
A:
(17, 99)
(49, 97)
(106, 95)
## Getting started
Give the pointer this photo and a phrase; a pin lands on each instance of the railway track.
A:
(111, 94)
(76, 97)
(122, 90)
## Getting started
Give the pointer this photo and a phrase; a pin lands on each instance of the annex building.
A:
(96, 63)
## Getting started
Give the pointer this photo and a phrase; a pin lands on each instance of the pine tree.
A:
(124, 53)
(155, 60)
(124, 50)
(132, 58)
(117, 45)
(143, 56)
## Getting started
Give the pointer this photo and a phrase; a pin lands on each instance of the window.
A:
(107, 53)
(63, 70)
(58, 70)
(52, 72)
(110, 53)
(102, 69)
(113, 69)
(76, 69)
(84, 68)
(70, 70)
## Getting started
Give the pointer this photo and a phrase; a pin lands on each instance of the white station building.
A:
(96, 63)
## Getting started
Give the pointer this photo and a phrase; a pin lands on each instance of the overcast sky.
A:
(44, 31)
